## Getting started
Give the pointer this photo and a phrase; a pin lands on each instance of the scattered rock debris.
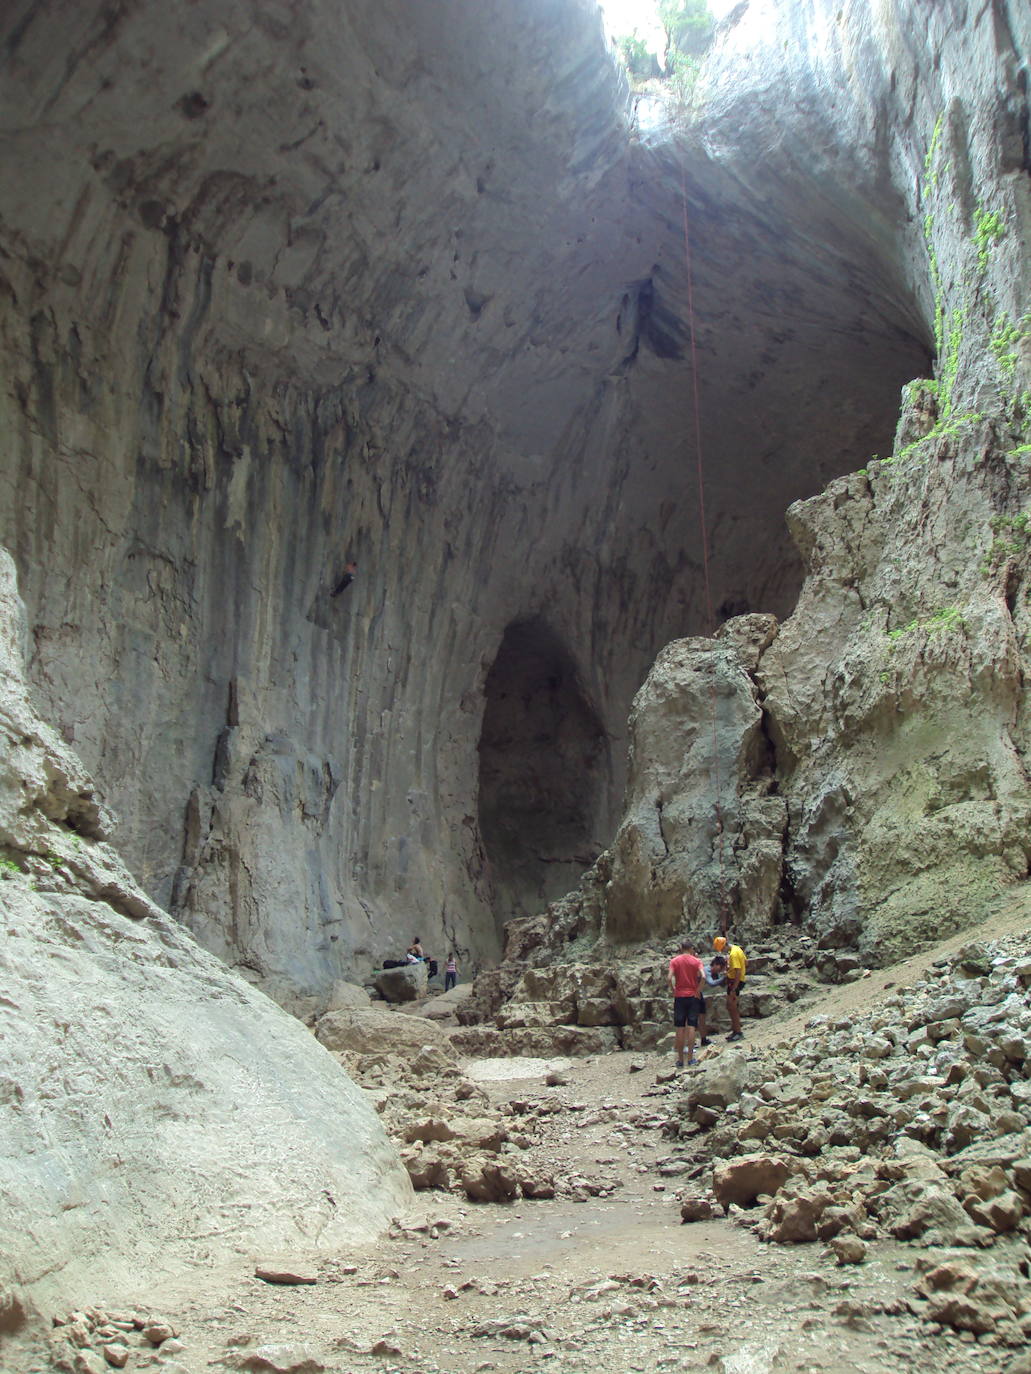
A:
(819, 1238)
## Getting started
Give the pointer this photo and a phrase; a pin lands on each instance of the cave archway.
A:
(544, 771)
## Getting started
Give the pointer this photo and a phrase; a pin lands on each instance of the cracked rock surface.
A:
(288, 289)
(157, 1112)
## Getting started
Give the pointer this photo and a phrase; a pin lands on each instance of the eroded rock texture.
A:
(156, 1111)
(293, 284)
(893, 699)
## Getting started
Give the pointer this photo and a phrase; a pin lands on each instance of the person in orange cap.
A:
(735, 975)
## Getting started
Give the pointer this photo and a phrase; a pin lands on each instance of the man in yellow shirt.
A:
(735, 957)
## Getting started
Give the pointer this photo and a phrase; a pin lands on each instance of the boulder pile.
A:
(610, 1000)
(450, 1135)
(910, 1120)
(93, 1340)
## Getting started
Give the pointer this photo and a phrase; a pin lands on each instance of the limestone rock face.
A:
(403, 285)
(149, 1094)
(894, 693)
(701, 831)
(891, 702)
(409, 286)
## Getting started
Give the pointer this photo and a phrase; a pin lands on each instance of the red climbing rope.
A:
(711, 619)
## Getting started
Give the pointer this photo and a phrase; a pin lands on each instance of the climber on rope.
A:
(349, 575)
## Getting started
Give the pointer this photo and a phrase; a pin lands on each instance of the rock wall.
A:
(289, 285)
(157, 1112)
(895, 692)
(888, 798)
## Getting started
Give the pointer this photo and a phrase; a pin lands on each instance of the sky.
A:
(624, 16)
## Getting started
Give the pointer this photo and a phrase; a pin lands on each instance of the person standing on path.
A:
(450, 973)
(735, 982)
(685, 983)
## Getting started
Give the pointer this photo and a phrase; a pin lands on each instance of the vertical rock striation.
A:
(289, 286)
(157, 1112)
(892, 701)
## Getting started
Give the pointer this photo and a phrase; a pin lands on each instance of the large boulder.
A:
(721, 1081)
(403, 984)
(374, 1030)
(742, 1180)
(343, 994)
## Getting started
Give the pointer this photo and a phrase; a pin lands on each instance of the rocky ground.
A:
(881, 1136)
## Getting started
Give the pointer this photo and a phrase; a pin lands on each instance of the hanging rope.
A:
(724, 917)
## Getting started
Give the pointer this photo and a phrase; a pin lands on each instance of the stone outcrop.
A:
(402, 984)
(702, 832)
(157, 1111)
(544, 1005)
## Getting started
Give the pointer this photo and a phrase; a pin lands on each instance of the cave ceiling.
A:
(408, 283)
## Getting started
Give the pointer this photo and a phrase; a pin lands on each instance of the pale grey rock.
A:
(140, 1063)
(373, 1030)
(278, 1358)
(91, 1362)
(750, 1357)
(699, 822)
(848, 1249)
(343, 994)
(444, 1006)
(933, 1215)
(794, 1215)
(721, 1081)
(52, 823)
(403, 984)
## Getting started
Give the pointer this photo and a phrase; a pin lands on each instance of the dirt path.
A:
(612, 1282)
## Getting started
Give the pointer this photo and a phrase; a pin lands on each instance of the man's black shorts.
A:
(686, 1010)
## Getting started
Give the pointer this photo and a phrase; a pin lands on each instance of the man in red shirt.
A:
(685, 983)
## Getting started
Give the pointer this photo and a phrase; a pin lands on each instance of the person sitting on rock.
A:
(415, 951)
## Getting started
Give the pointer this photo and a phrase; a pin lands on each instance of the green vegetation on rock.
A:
(688, 26)
(1006, 338)
(1012, 535)
(989, 228)
(639, 62)
(930, 157)
(945, 619)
